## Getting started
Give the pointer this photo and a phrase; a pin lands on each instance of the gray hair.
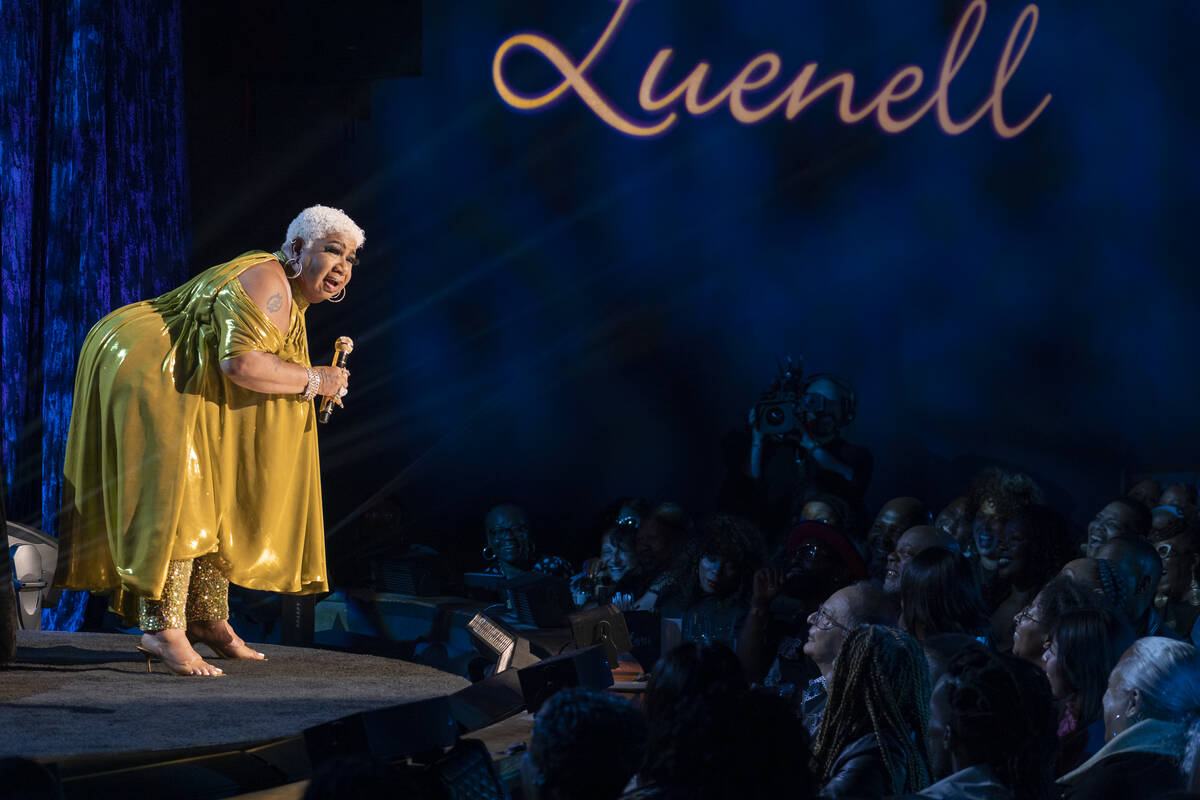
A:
(316, 222)
(1166, 673)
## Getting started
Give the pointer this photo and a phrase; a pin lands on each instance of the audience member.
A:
(1169, 521)
(954, 522)
(662, 536)
(832, 509)
(1084, 647)
(1031, 549)
(992, 729)
(1139, 558)
(871, 741)
(1178, 495)
(1032, 624)
(939, 594)
(618, 556)
(1178, 597)
(704, 739)
(913, 541)
(585, 745)
(821, 561)
(1121, 517)
(1110, 580)
(845, 610)
(717, 576)
(897, 515)
(1151, 717)
(994, 496)
(510, 548)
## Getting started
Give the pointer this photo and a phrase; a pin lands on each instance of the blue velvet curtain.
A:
(93, 212)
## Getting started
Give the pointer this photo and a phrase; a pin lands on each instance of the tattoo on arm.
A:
(275, 303)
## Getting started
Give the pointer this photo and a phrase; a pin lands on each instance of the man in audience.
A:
(585, 745)
(1121, 517)
(897, 515)
(911, 542)
(862, 603)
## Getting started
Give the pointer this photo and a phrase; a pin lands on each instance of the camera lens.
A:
(774, 417)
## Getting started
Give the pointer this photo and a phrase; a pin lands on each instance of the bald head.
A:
(914, 540)
(897, 516)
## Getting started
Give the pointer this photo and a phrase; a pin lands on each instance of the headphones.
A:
(849, 400)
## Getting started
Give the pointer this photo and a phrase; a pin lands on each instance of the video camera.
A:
(788, 407)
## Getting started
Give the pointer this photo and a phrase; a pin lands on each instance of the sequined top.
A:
(168, 459)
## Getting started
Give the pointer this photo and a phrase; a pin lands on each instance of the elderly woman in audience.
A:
(716, 579)
(871, 741)
(938, 594)
(1084, 647)
(1178, 593)
(1029, 551)
(992, 726)
(1151, 719)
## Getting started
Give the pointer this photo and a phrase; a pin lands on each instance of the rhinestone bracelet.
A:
(314, 384)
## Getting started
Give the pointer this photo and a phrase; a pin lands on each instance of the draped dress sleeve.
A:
(168, 459)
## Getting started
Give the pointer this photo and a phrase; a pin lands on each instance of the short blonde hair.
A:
(316, 222)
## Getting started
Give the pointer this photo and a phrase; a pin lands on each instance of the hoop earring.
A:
(489, 554)
(339, 297)
(287, 265)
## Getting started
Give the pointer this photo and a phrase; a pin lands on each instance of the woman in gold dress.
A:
(192, 454)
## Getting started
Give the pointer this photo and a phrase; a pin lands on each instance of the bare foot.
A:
(177, 654)
(218, 634)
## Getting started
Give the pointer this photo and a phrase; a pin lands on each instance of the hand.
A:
(767, 585)
(333, 381)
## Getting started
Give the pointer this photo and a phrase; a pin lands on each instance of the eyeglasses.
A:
(1026, 614)
(822, 621)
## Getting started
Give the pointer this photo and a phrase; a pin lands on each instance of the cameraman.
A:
(794, 451)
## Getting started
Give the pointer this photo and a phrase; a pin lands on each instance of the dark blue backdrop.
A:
(569, 314)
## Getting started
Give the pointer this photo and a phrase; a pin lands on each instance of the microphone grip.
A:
(340, 358)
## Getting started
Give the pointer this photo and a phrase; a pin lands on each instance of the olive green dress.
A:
(167, 459)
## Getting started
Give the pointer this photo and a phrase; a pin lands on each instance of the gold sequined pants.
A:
(196, 589)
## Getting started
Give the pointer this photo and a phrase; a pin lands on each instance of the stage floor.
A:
(85, 693)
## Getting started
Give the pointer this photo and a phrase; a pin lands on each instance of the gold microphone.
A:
(342, 349)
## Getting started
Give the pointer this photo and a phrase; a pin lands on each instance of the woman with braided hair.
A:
(992, 726)
(871, 742)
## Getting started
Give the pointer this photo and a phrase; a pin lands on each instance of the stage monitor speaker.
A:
(387, 733)
(587, 667)
(34, 560)
(604, 625)
(488, 701)
(508, 649)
